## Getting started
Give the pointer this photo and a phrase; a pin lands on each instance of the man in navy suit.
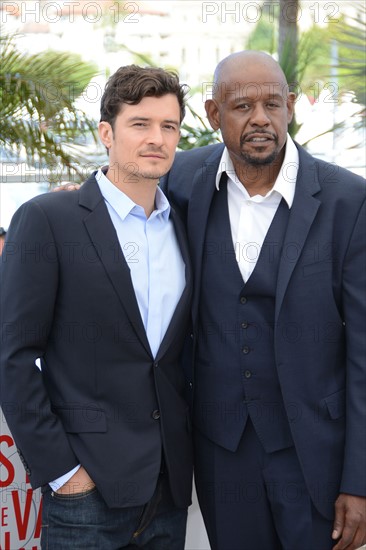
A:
(96, 285)
(277, 241)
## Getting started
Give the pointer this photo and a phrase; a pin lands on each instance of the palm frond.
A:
(37, 102)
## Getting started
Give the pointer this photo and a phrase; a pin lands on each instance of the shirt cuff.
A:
(60, 481)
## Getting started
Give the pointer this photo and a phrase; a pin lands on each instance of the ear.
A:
(291, 100)
(105, 133)
(213, 113)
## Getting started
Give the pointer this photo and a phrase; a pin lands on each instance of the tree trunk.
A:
(288, 38)
(290, 12)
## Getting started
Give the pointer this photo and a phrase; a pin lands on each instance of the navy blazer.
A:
(320, 319)
(101, 398)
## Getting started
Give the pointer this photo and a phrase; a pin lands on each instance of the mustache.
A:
(246, 136)
(153, 150)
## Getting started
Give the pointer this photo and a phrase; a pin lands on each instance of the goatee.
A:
(255, 160)
(259, 161)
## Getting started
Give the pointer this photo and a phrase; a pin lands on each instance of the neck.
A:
(141, 191)
(257, 180)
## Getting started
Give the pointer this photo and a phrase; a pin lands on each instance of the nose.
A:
(259, 116)
(155, 135)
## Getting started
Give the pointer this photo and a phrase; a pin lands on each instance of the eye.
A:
(272, 104)
(243, 106)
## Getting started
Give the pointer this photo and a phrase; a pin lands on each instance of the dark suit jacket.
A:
(320, 320)
(101, 399)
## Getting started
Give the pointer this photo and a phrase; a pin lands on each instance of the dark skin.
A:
(253, 113)
(252, 107)
(2, 242)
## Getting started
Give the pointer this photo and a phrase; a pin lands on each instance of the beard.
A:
(255, 159)
(152, 175)
(134, 173)
(259, 161)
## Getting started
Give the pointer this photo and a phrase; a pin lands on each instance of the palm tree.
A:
(38, 115)
(288, 38)
(350, 35)
(288, 47)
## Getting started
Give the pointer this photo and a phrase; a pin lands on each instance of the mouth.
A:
(257, 137)
(153, 156)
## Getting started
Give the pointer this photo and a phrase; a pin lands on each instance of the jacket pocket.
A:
(336, 404)
(82, 419)
(317, 267)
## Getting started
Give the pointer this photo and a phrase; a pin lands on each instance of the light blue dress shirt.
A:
(153, 255)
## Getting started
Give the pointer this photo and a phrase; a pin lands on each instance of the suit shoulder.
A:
(332, 178)
(55, 198)
(56, 207)
(199, 154)
(332, 171)
(60, 199)
(341, 182)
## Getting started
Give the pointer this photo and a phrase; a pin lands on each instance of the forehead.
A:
(165, 107)
(251, 80)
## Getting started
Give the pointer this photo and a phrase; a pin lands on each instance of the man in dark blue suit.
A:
(277, 241)
(96, 286)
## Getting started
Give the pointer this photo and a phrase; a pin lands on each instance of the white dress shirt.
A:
(153, 255)
(251, 217)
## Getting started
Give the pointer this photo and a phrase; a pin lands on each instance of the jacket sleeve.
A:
(354, 309)
(28, 290)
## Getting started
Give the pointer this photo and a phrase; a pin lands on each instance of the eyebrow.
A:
(266, 96)
(147, 119)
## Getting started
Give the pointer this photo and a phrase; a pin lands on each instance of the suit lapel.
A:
(104, 238)
(183, 305)
(198, 210)
(302, 215)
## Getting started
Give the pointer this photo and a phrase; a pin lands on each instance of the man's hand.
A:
(350, 522)
(67, 187)
(78, 483)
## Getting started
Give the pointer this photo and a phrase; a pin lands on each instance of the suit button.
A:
(243, 300)
(155, 414)
(245, 350)
(244, 325)
(156, 364)
(247, 374)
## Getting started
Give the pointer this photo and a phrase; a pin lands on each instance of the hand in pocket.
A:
(80, 482)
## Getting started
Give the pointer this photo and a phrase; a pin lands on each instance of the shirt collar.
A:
(286, 180)
(123, 205)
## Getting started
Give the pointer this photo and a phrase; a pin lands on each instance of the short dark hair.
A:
(130, 84)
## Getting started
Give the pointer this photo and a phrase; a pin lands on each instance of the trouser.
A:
(84, 522)
(253, 500)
